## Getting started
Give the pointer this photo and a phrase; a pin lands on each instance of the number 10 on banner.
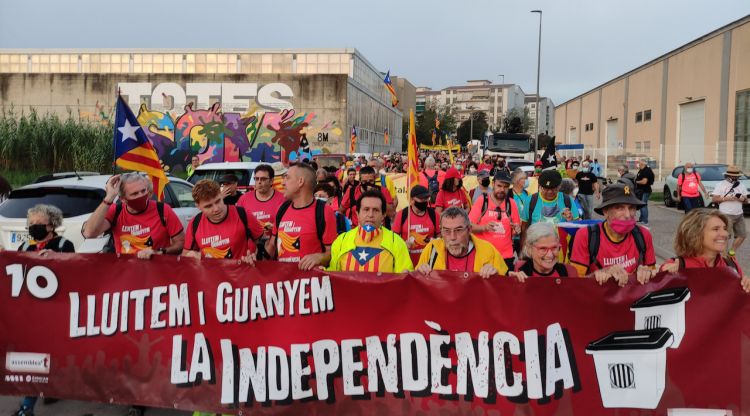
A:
(32, 278)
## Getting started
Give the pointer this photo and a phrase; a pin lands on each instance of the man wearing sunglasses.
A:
(460, 251)
(263, 203)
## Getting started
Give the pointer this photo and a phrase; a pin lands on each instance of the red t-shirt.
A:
(700, 262)
(611, 253)
(226, 239)
(351, 209)
(503, 240)
(485, 166)
(420, 227)
(456, 198)
(297, 235)
(263, 211)
(136, 232)
(689, 184)
(460, 264)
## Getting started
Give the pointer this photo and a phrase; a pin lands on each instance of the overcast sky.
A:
(432, 43)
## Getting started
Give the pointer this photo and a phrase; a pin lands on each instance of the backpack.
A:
(730, 262)
(240, 212)
(594, 240)
(320, 219)
(535, 198)
(430, 212)
(433, 185)
(60, 243)
(486, 202)
(341, 223)
(110, 246)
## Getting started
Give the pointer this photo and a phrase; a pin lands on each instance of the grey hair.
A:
(567, 186)
(536, 232)
(624, 168)
(429, 162)
(52, 212)
(456, 212)
(517, 174)
(132, 177)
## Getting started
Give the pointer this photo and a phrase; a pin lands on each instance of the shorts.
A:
(737, 225)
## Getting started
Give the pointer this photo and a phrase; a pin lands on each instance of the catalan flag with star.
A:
(389, 87)
(368, 255)
(353, 140)
(133, 150)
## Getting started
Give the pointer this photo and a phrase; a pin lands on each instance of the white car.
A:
(711, 175)
(214, 171)
(77, 195)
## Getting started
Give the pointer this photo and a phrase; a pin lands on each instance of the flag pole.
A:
(114, 135)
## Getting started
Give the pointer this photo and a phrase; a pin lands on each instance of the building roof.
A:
(710, 35)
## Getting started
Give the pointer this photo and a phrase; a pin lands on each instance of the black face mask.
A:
(422, 206)
(366, 185)
(38, 231)
(486, 182)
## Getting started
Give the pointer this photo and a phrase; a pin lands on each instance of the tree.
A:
(465, 129)
(517, 121)
(425, 123)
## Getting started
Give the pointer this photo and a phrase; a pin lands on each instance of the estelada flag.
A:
(353, 142)
(413, 157)
(133, 150)
(389, 87)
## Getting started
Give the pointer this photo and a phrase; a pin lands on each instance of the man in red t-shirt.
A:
(220, 231)
(418, 223)
(367, 180)
(138, 227)
(296, 229)
(452, 193)
(430, 171)
(622, 246)
(689, 186)
(263, 203)
(498, 220)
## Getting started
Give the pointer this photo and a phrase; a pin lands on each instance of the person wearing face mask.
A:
(452, 193)
(42, 221)
(730, 194)
(367, 181)
(418, 223)
(549, 204)
(486, 164)
(370, 247)
(483, 186)
(618, 246)
(326, 193)
(588, 187)
(139, 225)
(689, 188)
(701, 241)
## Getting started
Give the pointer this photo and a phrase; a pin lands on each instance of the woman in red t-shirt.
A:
(452, 193)
(701, 242)
(541, 252)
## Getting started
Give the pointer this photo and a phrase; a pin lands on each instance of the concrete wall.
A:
(256, 117)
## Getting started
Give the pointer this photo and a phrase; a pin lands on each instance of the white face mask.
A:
(689, 170)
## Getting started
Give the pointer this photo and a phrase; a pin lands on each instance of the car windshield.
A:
(216, 175)
(72, 201)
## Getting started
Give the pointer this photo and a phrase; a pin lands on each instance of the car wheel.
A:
(668, 201)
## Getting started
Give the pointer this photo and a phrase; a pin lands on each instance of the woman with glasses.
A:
(541, 253)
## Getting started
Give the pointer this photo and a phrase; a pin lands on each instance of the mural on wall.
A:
(214, 136)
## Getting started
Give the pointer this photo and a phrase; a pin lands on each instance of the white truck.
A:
(509, 145)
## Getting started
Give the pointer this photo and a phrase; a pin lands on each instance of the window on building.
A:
(647, 146)
(638, 117)
(638, 146)
(742, 129)
(647, 115)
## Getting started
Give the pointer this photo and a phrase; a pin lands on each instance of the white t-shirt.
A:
(723, 189)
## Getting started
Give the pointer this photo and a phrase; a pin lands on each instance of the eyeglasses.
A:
(453, 231)
(550, 249)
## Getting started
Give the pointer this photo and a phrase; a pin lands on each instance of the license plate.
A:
(19, 237)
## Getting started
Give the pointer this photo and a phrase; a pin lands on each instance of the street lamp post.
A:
(538, 67)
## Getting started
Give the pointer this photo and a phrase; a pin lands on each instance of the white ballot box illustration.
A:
(631, 367)
(663, 309)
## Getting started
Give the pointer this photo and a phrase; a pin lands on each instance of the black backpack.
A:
(110, 246)
(430, 212)
(486, 203)
(594, 239)
(535, 199)
(320, 219)
(240, 212)
(433, 185)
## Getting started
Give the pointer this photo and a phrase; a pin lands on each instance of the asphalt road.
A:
(663, 222)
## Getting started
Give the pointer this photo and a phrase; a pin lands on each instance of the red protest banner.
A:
(219, 336)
